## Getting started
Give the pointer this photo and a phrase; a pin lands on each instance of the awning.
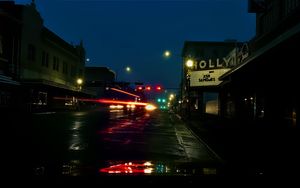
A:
(281, 38)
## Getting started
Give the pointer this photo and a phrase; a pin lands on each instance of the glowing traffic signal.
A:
(148, 88)
(161, 100)
(139, 88)
(158, 88)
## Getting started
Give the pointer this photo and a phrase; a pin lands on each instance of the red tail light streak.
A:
(148, 107)
(125, 92)
(109, 101)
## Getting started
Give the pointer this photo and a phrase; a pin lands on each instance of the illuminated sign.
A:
(206, 77)
(225, 62)
(234, 57)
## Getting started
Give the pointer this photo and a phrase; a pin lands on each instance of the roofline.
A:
(206, 42)
(286, 35)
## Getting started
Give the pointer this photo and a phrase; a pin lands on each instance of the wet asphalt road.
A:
(82, 142)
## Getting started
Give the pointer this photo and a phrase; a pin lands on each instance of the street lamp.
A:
(79, 83)
(128, 69)
(167, 53)
(120, 70)
(187, 66)
(189, 63)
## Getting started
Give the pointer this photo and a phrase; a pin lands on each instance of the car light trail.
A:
(125, 92)
(150, 107)
(109, 101)
(116, 104)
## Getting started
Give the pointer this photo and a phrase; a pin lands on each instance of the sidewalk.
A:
(254, 147)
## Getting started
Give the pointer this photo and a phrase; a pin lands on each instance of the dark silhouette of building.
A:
(46, 66)
(265, 86)
(10, 39)
(98, 78)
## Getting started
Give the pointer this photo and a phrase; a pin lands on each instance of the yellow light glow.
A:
(148, 163)
(150, 107)
(167, 53)
(79, 81)
(189, 63)
(128, 69)
(116, 106)
(112, 106)
(148, 170)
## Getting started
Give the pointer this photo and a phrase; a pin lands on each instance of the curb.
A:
(201, 140)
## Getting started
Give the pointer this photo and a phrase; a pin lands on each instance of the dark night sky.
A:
(117, 33)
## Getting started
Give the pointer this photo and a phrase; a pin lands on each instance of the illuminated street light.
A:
(189, 63)
(167, 53)
(171, 97)
(79, 81)
(128, 69)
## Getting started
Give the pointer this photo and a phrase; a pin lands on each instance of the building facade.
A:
(98, 78)
(10, 41)
(265, 87)
(46, 66)
(200, 85)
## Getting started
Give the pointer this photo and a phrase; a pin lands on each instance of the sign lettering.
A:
(225, 62)
(206, 77)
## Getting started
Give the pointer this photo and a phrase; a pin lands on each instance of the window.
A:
(291, 5)
(55, 63)
(31, 52)
(65, 67)
(45, 59)
(73, 71)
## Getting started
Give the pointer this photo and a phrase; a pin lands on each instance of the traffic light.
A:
(148, 88)
(139, 88)
(158, 88)
(161, 100)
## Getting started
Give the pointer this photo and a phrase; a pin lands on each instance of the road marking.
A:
(178, 116)
(180, 141)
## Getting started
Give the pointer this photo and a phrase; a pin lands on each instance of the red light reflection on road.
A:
(129, 168)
